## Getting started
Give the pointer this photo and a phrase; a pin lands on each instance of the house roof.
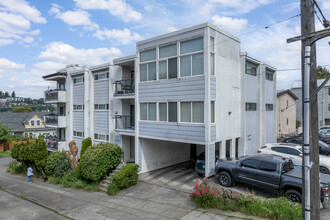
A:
(297, 84)
(16, 121)
(289, 92)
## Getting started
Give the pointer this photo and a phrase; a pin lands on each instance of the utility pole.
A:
(311, 195)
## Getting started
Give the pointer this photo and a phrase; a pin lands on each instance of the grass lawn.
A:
(5, 154)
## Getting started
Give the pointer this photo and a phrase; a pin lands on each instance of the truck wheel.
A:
(293, 195)
(324, 170)
(224, 179)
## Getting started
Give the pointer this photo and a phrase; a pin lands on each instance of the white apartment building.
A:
(181, 93)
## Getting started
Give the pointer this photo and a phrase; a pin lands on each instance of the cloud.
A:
(6, 64)
(65, 53)
(124, 36)
(231, 25)
(117, 8)
(23, 8)
(74, 18)
(240, 6)
(16, 17)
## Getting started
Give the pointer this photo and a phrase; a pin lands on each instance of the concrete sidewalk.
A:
(142, 201)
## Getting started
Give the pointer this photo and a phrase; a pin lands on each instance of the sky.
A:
(39, 37)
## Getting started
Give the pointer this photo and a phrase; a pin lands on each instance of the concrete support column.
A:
(232, 148)
(138, 153)
(222, 149)
(209, 159)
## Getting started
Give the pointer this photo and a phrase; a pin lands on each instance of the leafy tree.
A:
(1, 94)
(7, 94)
(322, 73)
(39, 152)
(5, 136)
(13, 94)
(298, 123)
(85, 144)
(24, 108)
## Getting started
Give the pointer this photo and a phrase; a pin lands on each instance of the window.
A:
(32, 122)
(251, 69)
(287, 121)
(269, 107)
(212, 44)
(78, 134)
(328, 107)
(162, 111)
(293, 151)
(212, 112)
(101, 137)
(280, 149)
(172, 112)
(249, 106)
(191, 46)
(101, 106)
(78, 107)
(192, 112)
(268, 166)
(148, 111)
(329, 91)
(192, 65)
(167, 51)
(38, 122)
(148, 55)
(78, 80)
(148, 71)
(250, 163)
(269, 75)
(168, 69)
(212, 49)
(101, 76)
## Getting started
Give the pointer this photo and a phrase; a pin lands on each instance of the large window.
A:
(212, 55)
(101, 76)
(269, 75)
(162, 111)
(78, 80)
(251, 69)
(192, 112)
(148, 111)
(172, 112)
(192, 64)
(249, 106)
(168, 69)
(148, 70)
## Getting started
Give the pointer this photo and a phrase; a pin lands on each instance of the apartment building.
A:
(181, 93)
(323, 101)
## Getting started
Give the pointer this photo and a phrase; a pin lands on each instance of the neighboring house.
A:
(27, 124)
(286, 113)
(182, 93)
(323, 101)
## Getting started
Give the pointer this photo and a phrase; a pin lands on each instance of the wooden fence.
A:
(8, 145)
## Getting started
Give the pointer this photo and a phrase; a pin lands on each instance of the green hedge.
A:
(99, 160)
(57, 164)
(126, 177)
(85, 144)
(15, 167)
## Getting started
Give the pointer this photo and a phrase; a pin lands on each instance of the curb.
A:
(24, 197)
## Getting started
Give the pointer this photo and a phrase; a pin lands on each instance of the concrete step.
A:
(104, 185)
(106, 181)
(103, 188)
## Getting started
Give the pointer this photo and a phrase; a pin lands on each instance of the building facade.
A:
(181, 93)
(286, 113)
(323, 101)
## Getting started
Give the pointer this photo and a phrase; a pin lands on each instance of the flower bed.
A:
(206, 196)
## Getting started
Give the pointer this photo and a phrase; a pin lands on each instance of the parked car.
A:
(325, 128)
(324, 148)
(293, 152)
(200, 163)
(324, 135)
(269, 172)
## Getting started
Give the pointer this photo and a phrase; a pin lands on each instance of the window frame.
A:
(192, 112)
(254, 104)
(97, 107)
(97, 76)
(97, 137)
(75, 79)
(269, 107)
(79, 134)
(253, 66)
(32, 123)
(75, 107)
(269, 75)
(38, 122)
(156, 110)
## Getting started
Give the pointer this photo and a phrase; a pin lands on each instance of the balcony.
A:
(55, 121)
(55, 96)
(124, 88)
(124, 123)
(54, 143)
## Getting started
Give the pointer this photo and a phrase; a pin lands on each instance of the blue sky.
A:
(39, 37)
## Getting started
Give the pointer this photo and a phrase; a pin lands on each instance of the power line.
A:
(298, 68)
(325, 22)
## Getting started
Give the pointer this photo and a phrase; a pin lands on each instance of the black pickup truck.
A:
(270, 172)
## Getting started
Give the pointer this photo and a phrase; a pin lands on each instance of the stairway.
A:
(107, 181)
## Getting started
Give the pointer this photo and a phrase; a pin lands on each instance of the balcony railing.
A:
(52, 94)
(124, 122)
(124, 87)
(52, 143)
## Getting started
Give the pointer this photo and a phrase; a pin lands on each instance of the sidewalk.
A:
(142, 201)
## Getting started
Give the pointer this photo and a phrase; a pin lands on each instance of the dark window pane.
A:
(251, 163)
(268, 166)
(172, 112)
(280, 149)
(293, 151)
(172, 68)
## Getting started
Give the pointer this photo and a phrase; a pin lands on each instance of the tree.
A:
(84, 145)
(1, 94)
(7, 94)
(13, 95)
(24, 108)
(5, 136)
(322, 72)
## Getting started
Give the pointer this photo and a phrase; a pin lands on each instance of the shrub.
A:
(99, 160)
(15, 167)
(127, 176)
(206, 196)
(85, 144)
(113, 189)
(57, 164)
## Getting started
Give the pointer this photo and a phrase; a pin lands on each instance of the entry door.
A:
(62, 111)
(132, 114)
